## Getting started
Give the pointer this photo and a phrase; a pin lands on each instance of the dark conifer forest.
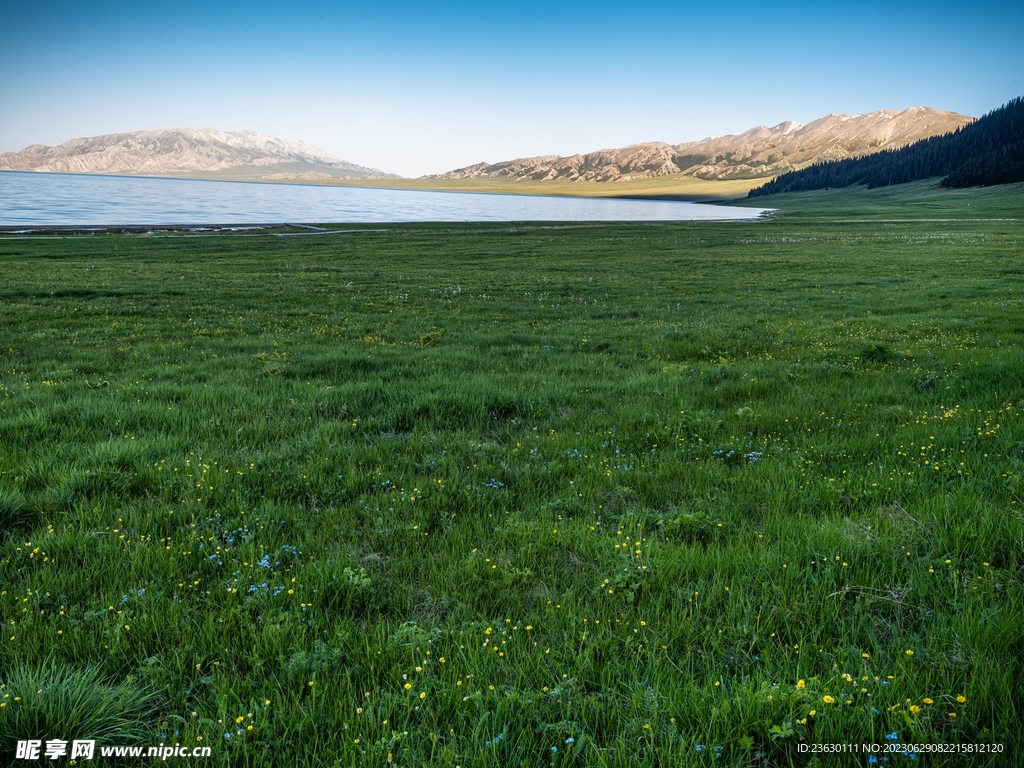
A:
(988, 151)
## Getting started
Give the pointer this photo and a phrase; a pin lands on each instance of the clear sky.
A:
(425, 87)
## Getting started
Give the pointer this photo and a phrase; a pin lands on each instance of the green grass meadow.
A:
(688, 494)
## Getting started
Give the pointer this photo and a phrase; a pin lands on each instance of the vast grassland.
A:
(481, 495)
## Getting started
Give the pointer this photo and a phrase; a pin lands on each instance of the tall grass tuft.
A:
(14, 513)
(59, 701)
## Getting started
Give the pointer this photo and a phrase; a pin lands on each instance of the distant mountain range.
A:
(757, 153)
(203, 153)
(986, 152)
(245, 155)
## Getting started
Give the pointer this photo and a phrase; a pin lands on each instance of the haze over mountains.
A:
(203, 153)
(245, 155)
(757, 153)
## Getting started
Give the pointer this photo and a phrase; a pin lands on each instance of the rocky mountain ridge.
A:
(756, 153)
(187, 151)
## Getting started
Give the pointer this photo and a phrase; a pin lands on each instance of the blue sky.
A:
(424, 87)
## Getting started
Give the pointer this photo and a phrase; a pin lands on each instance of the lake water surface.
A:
(59, 199)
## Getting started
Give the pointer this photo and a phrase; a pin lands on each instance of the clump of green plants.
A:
(13, 510)
(876, 353)
(61, 701)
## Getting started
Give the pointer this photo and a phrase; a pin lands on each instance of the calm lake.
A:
(58, 199)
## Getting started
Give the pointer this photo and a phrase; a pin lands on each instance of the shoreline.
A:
(680, 188)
